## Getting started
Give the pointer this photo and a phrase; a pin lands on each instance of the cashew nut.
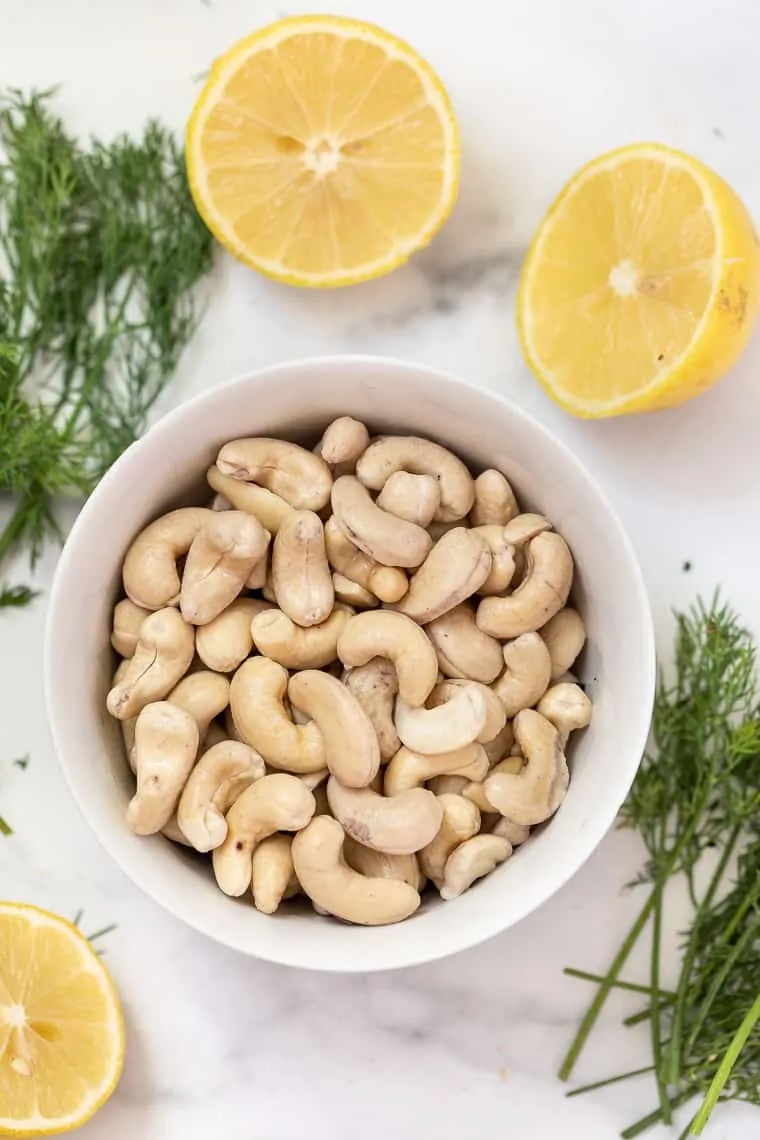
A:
(352, 594)
(295, 474)
(448, 785)
(387, 583)
(456, 567)
(273, 803)
(527, 673)
(383, 633)
(542, 593)
(392, 453)
(462, 649)
(268, 508)
(497, 748)
(523, 528)
(257, 579)
(225, 642)
(343, 442)
(273, 876)
(295, 647)
(127, 619)
(220, 776)
(204, 695)
(256, 701)
(409, 769)
(330, 883)
(415, 498)
(221, 557)
(397, 825)
(300, 571)
(502, 560)
(449, 726)
(171, 830)
(166, 743)
(150, 567)
(375, 686)
(495, 502)
(535, 793)
(470, 861)
(381, 865)
(351, 751)
(514, 833)
(567, 707)
(475, 790)
(384, 537)
(565, 636)
(495, 720)
(162, 656)
(461, 820)
(128, 725)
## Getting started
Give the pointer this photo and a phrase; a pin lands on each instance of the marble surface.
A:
(470, 1044)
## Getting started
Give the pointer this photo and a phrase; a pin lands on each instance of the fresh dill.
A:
(698, 790)
(16, 597)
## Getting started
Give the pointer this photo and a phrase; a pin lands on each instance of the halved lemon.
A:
(641, 286)
(61, 1029)
(323, 151)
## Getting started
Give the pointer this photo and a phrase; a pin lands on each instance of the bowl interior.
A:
(296, 401)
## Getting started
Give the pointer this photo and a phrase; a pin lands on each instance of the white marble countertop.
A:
(470, 1044)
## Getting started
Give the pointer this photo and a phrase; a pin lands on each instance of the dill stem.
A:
(724, 1069)
(632, 987)
(654, 1021)
(655, 1117)
(611, 1081)
(717, 982)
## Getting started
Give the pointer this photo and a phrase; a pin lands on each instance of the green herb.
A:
(5, 829)
(22, 762)
(17, 596)
(100, 248)
(76, 921)
(698, 790)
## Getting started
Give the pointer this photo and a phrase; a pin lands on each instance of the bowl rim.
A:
(462, 937)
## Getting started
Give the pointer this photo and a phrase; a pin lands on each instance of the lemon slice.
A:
(61, 1030)
(323, 151)
(641, 286)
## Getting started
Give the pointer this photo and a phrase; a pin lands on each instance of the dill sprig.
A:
(698, 790)
(100, 247)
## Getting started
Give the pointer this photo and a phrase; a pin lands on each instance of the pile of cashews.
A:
(348, 676)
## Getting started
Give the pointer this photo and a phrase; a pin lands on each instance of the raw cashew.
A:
(448, 785)
(410, 769)
(514, 833)
(204, 695)
(221, 557)
(268, 508)
(128, 725)
(415, 498)
(295, 474)
(527, 673)
(384, 537)
(381, 865)
(221, 775)
(502, 560)
(387, 583)
(449, 726)
(495, 502)
(462, 649)
(392, 453)
(523, 528)
(542, 593)
(166, 743)
(456, 567)
(127, 619)
(461, 820)
(273, 803)
(567, 707)
(295, 647)
(162, 656)
(497, 748)
(383, 633)
(343, 442)
(398, 825)
(256, 700)
(470, 861)
(565, 636)
(331, 884)
(351, 750)
(300, 571)
(273, 876)
(352, 594)
(495, 720)
(314, 779)
(150, 567)
(171, 830)
(475, 790)
(257, 579)
(375, 686)
(536, 792)
(226, 641)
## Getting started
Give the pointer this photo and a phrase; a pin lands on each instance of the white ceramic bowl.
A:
(295, 401)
